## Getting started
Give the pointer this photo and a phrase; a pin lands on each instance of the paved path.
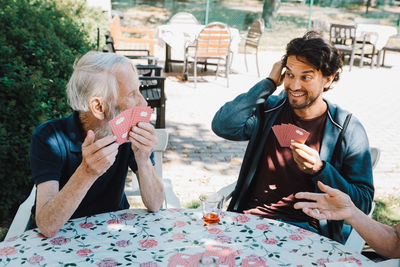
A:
(198, 161)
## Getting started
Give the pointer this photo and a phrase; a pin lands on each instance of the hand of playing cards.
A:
(122, 124)
(286, 133)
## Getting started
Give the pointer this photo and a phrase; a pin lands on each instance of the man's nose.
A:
(296, 84)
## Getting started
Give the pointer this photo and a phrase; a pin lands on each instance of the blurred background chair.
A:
(183, 18)
(369, 48)
(367, 21)
(344, 39)
(139, 43)
(252, 39)
(213, 42)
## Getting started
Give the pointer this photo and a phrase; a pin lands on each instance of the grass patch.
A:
(387, 210)
(194, 204)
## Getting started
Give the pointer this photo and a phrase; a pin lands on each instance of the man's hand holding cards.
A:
(288, 133)
(123, 123)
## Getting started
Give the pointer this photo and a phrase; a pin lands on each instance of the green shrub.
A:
(39, 41)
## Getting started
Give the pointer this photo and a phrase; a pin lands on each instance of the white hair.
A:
(94, 76)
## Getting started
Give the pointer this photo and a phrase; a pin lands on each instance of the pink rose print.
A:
(214, 231)
(126, 216)
(148, 264)
(262, 227)
(35, 259)
(322, 261)
(179, 224)
(295, 237)
(304, 231)
(148, 243)
(113, 221)
(351, 259)
(107, 262)
(223, 238)
(241, 219)
(178, 236)
(86, 225)
(123, 243)
(7, 251)
(58, 241)
(222, 214)
(270, 241)
(175, 210)
(84, 252)
(11, 239)
(254, 260)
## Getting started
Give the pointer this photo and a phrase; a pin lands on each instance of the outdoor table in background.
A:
(176, 36)
(379, 37)
(175, 237)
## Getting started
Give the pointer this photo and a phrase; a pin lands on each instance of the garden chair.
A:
(354, 241)
(369, 48)
(141, 44)
(252, 39)
(183, 18)
(213, 42)
(344, 39)
(20, 222)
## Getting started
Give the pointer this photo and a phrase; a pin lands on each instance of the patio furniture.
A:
(183, 18)
(213, 42)
(176, 238)
(252, 39)
(20, 222)
(344, 39)
(367, 21)
(142, 42)
(389, 48)
(354, 241)
(152, 87)
(134, 54)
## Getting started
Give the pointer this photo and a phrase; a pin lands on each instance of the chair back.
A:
(213, 41)
(367, 21)
(183, 18)
(115, 28)
(255, 32)
(342, 34)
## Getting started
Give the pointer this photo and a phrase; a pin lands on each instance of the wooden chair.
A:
(369, 49)
(20, 222)
(183, 18)
(252, 39)
(213, 42)
(141, 44)
(354, 241)
(344, 39)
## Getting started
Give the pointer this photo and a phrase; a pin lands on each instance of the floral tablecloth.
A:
(174, 237)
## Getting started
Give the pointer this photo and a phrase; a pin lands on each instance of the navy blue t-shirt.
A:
(56, 153)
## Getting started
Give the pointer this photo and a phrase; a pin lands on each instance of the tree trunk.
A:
(270, 11)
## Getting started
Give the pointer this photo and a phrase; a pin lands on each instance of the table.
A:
(174, 237)
(377, 34)
(176, 36)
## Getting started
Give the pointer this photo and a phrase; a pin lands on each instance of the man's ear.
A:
(97, 108)
(328, 81)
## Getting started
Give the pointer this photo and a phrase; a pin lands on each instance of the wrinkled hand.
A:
(143, 139)
(98, 156)
(334, 205)
(306, 158)
(276, 73)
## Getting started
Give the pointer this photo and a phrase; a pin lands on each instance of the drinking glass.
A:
(211, 204)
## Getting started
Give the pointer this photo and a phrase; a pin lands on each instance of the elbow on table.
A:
(46, 230)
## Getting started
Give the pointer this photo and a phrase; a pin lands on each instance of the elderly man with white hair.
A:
(76, 164)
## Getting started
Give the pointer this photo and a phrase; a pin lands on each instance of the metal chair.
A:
(344, 39)
(252, 39)
(213, 42)
(183, 18)
(20, 222)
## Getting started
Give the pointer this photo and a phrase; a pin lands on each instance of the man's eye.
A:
(289, 75)
(307, 77)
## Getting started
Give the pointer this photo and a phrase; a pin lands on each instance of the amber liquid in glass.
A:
(211, 218)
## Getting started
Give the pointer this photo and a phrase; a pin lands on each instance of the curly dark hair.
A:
(313, 49)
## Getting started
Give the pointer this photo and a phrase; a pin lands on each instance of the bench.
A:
(389, 48)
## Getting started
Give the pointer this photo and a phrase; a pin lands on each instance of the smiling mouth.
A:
(296, 94)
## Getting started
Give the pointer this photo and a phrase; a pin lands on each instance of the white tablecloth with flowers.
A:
(174, 238)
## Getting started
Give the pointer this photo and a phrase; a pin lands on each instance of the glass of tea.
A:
(211, 204)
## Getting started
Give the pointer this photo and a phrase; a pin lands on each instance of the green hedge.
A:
(39, 42)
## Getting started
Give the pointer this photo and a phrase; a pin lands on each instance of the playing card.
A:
(121, 125)
(141, 114)
(286, 133)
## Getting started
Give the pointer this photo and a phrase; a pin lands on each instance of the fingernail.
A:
(135, 128)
